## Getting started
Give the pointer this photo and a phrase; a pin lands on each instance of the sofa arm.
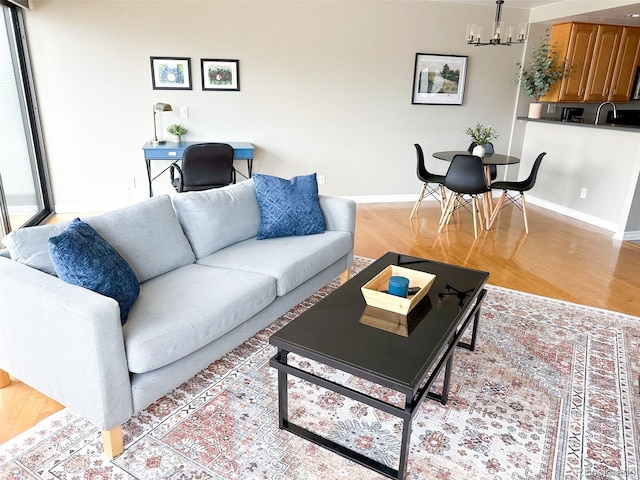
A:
(339, 213)
(66, 342)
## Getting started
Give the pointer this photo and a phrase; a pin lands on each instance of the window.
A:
(25, 194)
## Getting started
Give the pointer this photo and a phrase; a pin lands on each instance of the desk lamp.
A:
(159, 107)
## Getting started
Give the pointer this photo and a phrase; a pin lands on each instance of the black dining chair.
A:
(204, 166)
(513, 192)
(427, 178)
(465, 178)
(488, 148)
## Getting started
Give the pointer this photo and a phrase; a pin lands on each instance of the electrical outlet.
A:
(583, 193)
(321, 179)
(551, 108)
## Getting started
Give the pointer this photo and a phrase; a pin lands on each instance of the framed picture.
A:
(439, 79)
(171, 73)
(219, 74)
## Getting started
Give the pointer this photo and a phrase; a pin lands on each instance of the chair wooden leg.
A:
(497, 208)
(112, 442)
(486, 211)
(4, 379)
(443, 196)
(524, 212)
(447, 213)
(417, 205)
(443, 216)
(344, 276)
(455, 205)
(474, 207)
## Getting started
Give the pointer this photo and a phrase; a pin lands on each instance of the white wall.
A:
(325, 86)
(604, 161)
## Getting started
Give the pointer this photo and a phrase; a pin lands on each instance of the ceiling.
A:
(614, 16)
(511, 3)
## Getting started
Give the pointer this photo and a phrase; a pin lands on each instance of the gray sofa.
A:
(206, 285)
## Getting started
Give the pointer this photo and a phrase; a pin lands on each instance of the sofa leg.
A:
(344, 276)
(112, 442)
(4, 379)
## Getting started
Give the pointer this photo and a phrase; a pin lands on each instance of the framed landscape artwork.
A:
(171, 73)
(219, 74)
(439, 79)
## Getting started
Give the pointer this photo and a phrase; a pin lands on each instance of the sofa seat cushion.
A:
(188, 308)
(291, 260)
(215, 219)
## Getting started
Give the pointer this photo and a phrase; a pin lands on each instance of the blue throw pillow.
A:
(82, 257)
(288, 207)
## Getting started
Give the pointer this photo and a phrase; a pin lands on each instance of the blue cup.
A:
(398, 286)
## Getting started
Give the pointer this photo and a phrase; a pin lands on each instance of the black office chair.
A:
(427, 177)
(204, 166)
(488, 148)
(520, 187)
(465, 177)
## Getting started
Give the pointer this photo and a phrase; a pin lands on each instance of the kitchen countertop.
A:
(609, 126)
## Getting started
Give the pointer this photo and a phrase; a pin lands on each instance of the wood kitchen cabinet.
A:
(605, 53)
(603, 61)
(575, 42)
(626, 65)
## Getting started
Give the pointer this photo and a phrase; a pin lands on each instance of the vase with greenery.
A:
(481, 135)
(177, 130)
(544, 69)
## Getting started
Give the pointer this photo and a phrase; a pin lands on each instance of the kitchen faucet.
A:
(615, 112)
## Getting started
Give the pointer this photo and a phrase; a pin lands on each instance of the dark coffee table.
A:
(332, 333)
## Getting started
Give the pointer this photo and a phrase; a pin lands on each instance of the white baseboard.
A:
(568, 212)
(629, 236)
(386, 198)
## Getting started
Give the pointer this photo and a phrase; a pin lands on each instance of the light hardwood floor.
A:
(560, 258)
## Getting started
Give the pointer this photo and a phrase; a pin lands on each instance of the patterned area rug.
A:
(551, 392)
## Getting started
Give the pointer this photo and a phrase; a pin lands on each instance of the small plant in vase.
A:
(481, 135)
(536, 78)
(177, 130)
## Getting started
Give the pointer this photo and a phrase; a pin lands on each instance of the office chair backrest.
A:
(466, 175)
(207, 165)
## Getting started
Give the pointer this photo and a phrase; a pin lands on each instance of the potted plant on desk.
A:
(177, 130)
(537, 77)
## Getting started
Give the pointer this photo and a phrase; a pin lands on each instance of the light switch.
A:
(184, 112)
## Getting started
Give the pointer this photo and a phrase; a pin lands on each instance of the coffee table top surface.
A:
(331, 331)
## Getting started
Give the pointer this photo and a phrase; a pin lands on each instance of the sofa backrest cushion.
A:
(82, 257)
(28, 245)
(147, 235)
(214, 219)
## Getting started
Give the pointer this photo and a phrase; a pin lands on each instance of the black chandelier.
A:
(500, 35)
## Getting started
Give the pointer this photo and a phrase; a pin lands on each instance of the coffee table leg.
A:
(283, 398)
(404, 447)
(474, 331)
(447, 377)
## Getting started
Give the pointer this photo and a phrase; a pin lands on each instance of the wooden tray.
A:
(375, 297)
